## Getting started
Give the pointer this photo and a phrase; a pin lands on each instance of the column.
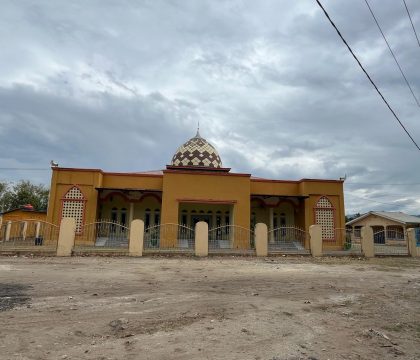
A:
(271, 222)
(315, 240)
(37, 229)
(261, 243)
(412, 243)
(201, 239)
(131, 213)
(66, 237)
(135, 245)
(8, 227)
(368, 247)
(24, 230)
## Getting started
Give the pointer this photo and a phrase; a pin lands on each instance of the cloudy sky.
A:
(119, 85)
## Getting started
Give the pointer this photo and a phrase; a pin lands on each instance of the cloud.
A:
(120, 85)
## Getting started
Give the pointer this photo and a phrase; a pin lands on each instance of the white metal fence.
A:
(169, 237)
(231, 238)
(288, 239)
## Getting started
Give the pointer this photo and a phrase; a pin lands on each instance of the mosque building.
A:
(196, 187)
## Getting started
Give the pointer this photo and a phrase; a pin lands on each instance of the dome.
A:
(197, 152)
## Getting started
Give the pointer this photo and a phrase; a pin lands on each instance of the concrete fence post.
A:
(315, 240)
(261, 239)
(201, 239)
(37, 229)
(412, 242)
(8, 228)
(66, 237)
(366, 241)
(24, 230)
(135, 244)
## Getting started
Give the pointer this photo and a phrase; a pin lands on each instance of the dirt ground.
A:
(213, 308)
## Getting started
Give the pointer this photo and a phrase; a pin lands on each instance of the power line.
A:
(392, 53)
(368, 76)
(414, 29)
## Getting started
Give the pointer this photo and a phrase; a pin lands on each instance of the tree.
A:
(13, 196)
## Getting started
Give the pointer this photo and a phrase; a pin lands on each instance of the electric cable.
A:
(414, 29)
(392, 53)
(368, 76)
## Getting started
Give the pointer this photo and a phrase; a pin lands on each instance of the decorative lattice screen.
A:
(74, 206)
(324, 216)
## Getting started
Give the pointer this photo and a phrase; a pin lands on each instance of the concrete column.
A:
(131, 213)
(201, 239)
(271, 222)
(366, 240)
(37, 229)
(8, 228)
(135, 244)
(412, 243)
(231, 229)
(66, 237)
(24, 230)
(315, 240)
(261, 239)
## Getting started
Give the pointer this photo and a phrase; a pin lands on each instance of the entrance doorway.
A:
(196, 218)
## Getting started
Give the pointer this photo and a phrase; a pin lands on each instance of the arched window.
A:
(74, 206)
(324, 216)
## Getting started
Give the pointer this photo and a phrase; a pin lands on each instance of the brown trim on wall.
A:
(204, 173)
(207, 201)
(107, 173)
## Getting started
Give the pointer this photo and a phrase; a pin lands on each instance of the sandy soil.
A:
(216, 308)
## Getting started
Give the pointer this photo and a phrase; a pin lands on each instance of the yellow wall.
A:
(273, 187)
(132, 181)
(180, 186)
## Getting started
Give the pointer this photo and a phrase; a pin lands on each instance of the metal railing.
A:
(231, 238)
(287, 239)
(103, 234)
(169, 237)
(351, 240)
(396, 245)
(28, 234)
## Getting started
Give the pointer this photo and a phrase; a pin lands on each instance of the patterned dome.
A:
(197, 152)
